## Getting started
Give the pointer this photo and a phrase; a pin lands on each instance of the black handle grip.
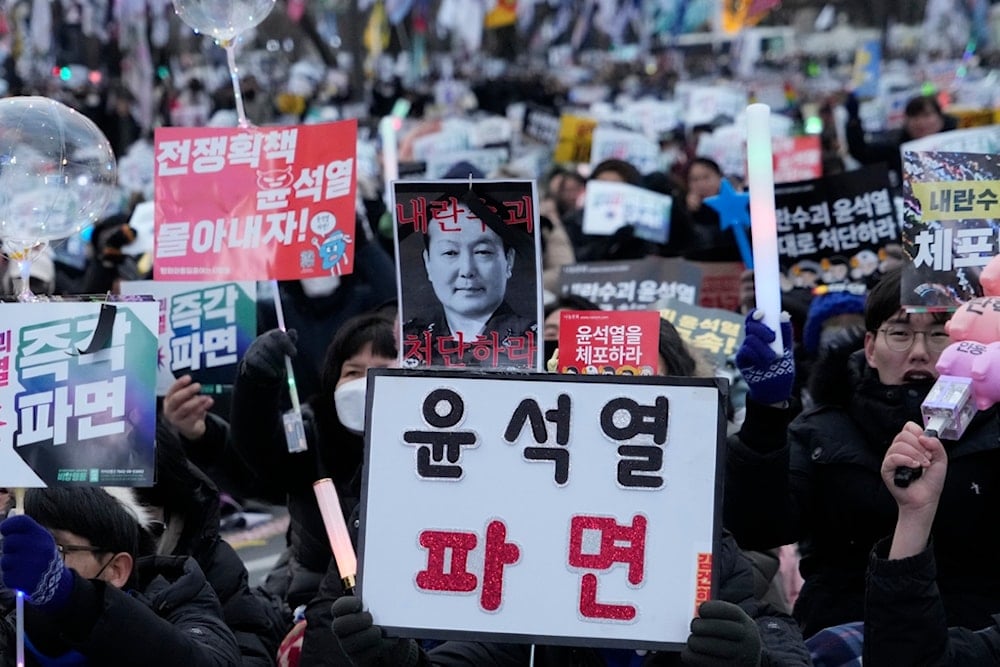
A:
(903, 477)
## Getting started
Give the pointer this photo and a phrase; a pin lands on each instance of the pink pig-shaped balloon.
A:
(989, 278)
(978, 361)
(977, 319)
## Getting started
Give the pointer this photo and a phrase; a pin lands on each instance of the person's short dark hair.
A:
(884, 301)
(922, 104)
(706, 162)
(87, 511)
(570, 302)
(353, 335)
(626, 170)
(677, 358)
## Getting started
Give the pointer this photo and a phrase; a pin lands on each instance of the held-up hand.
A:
(32, 564)
(363, 642)
(185, 409)
(265, 358)
(769, 377)
(912, 449)
(722, 635)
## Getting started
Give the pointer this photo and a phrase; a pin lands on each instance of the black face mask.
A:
(549, 347)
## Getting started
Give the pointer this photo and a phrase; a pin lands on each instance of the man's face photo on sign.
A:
(468, 266)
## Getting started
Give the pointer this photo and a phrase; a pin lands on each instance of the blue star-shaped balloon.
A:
(734, 211)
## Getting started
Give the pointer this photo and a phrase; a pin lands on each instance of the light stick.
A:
(19, 595)
(763, 220)
(336, 531)
(390, 156)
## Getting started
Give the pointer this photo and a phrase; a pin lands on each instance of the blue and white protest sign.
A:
(609, 206)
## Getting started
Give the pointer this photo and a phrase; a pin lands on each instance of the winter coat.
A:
(171, 618)
(267, 469)
(820, 484)
(905, 619)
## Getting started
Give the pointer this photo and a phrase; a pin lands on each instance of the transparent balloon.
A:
(57, 174)
(223, 20)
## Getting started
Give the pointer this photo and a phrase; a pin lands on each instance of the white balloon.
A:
(223, 20)
(57, 171)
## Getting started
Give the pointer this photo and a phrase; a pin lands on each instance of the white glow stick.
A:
(763, 220)
(336, 530)
(390, 156)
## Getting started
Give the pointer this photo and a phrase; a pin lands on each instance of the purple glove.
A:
(32, 564)
(769, 377)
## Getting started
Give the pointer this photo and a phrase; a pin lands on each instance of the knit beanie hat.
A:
(823, 307)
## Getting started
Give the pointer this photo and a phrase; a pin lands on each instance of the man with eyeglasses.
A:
(92, 599)
(815, 480)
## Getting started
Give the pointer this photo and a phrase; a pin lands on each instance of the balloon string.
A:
(234, 75)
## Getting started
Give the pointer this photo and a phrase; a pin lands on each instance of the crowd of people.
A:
(898, 576)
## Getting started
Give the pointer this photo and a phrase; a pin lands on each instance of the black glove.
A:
(723, 635)
(363, 641)
(265, 358)
(851, 105)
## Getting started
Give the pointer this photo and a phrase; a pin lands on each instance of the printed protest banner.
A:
(602, 342)
(255, 203)
(950, 221)
(609, 206)
(720, 285)
(77, 401)
(970, 140)
(716, 333)
(634, 284)
(573, 143)
(633, 147)
(608, 539)
(796, 158)
(204, 329)
(468, 260)
(835, 229)
(541, 124)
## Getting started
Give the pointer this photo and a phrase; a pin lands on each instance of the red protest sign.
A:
(255, 203)
(600, 342)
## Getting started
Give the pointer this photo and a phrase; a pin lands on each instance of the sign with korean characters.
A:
(835, 229)
(255, 203)
(593, 342)
(715, 332)
(610, 206)
(796, 158)
(468, 256)
(634, 147)
(204, 329)
(633, 284)
(555, 509)
(950, 213)
(77, 400)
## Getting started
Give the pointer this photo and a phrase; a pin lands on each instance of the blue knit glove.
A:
(32, 564)
(769, 377)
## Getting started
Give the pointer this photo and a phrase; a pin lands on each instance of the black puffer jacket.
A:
(820, 484)
(781, 642)
(905, 620)
(171, 618)
(260, 458)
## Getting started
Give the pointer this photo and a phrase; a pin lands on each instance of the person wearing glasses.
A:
(92, 598)
(816, 481)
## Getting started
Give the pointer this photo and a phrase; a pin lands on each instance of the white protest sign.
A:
(608, 206)
(633, 147)
(486, 160)
(534, 507)
(969, 140)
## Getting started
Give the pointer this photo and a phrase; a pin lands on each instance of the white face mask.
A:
(349, 399)
(319, 287)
